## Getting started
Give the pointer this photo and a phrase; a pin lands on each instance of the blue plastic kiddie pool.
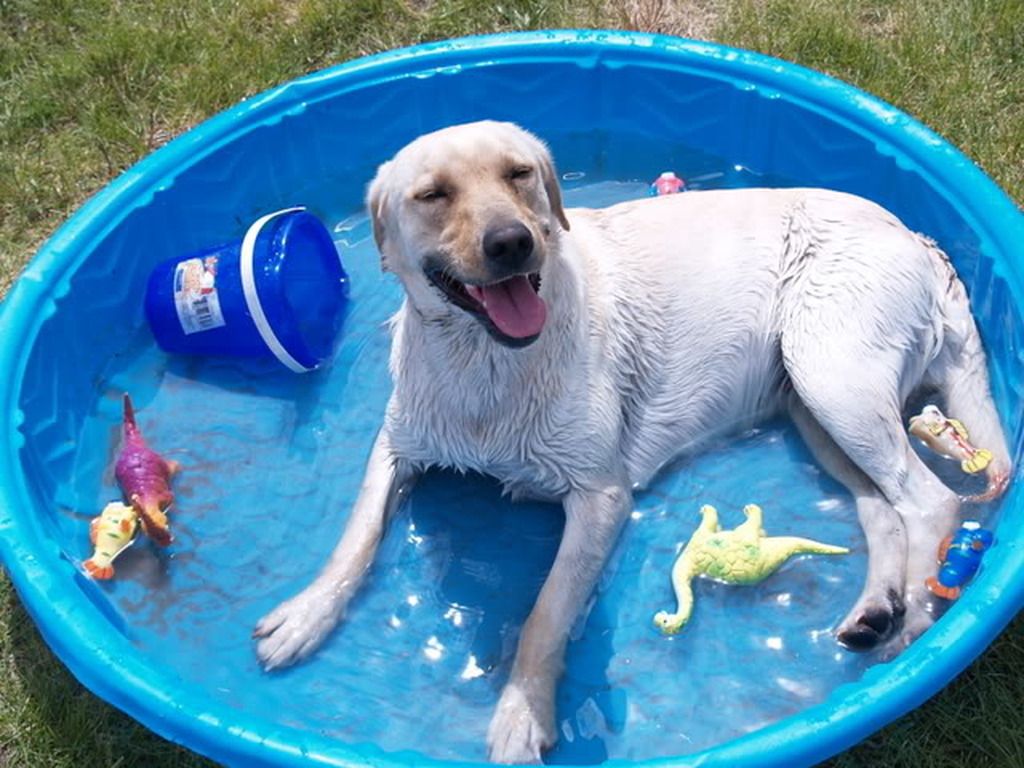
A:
(273, 459)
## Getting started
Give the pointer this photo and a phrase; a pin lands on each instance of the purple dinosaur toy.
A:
(145, 479)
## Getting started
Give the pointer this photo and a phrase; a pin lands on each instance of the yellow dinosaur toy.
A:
(111, 533)
(949, 437)
(743, 555)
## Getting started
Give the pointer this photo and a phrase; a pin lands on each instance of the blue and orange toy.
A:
(959, 558)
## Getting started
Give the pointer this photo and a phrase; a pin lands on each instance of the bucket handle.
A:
(252, 299)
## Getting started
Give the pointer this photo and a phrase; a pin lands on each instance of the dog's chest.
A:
(537, 446)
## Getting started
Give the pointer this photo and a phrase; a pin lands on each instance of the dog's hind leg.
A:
(960, 373)
(880, 605)
(524, 721)
(853, 390)
(930, 511)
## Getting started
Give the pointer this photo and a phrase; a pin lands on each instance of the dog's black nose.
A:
(508, 246)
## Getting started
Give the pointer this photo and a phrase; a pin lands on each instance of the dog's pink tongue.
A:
(513, 306)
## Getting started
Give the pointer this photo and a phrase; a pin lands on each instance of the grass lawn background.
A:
(88, 87)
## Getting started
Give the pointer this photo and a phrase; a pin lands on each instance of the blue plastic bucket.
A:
(280, 291)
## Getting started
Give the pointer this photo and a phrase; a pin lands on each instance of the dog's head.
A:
(465, 217)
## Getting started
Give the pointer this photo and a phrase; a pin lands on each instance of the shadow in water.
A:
(492, 556)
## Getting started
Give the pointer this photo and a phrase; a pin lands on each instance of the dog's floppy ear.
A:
(378, 204)
(549, 176)
(552, 187)
(554, 190)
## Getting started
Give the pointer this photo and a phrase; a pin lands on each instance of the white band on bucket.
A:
(252, 299)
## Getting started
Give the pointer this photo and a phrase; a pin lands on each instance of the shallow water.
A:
(273, 463)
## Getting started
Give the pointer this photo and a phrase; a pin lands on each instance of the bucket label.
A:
(195, 295)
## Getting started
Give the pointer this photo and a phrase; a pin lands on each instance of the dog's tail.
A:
(960, 373)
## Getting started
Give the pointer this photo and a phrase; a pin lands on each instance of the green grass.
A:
(958, 67)
(88, 87)
(48, 720)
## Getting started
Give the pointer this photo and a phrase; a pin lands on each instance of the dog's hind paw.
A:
(918, 619)
(872, 622)
(296, 628)
(519, 732)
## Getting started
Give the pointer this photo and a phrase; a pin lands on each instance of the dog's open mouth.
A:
(511, 309)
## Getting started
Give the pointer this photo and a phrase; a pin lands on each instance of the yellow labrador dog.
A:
(571, 353)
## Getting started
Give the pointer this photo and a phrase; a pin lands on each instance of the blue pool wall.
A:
(328, 131)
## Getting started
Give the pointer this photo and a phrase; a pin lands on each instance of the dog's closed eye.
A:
(519, 172)
(433, 194)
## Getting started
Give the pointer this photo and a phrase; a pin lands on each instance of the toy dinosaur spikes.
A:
(145, 479)
(740, 556)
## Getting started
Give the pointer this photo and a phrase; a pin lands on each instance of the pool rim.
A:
(183, 713)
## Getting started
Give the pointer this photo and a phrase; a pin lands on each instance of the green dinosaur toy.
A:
(740, 556)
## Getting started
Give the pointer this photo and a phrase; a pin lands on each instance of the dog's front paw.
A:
(521, 729)
(296, 627)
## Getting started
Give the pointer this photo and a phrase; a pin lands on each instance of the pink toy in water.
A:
(145, 479)
(667, 184)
